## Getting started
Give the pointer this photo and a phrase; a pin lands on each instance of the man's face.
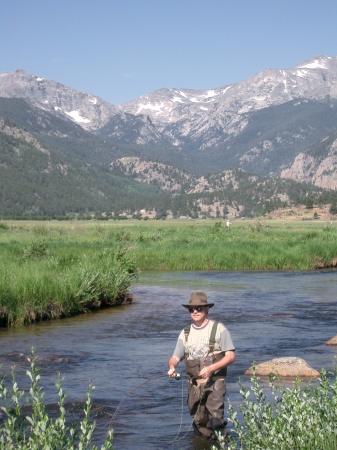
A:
(198, 313)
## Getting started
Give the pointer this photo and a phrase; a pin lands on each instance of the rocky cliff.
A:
(317, 166)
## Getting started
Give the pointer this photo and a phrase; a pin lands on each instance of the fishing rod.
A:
(177, 377)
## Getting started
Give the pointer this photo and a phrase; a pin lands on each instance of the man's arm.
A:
(177, 356)
(173, 362)
(228, 358)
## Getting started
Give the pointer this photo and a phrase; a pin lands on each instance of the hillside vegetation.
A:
(51, 167)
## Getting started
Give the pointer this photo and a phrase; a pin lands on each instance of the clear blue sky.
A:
(121, 49)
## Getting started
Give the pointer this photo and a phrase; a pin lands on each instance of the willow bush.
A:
(297, 418)
(29, 427)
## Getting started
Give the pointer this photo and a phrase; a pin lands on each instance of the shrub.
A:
(35, 249)
(333, 209)
(40, 229)
(35, 429)
(257, 226)
(309, 203)
(297, 419)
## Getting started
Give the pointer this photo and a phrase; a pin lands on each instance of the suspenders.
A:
(211, 338)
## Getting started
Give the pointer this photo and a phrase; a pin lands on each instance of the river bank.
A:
(44, 275)
(58, 269)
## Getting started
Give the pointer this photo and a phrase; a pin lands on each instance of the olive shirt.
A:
(197, 345)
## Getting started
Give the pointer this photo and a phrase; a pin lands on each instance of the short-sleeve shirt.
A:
(197, 345)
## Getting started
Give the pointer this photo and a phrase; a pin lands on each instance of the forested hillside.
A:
(51, 167)
(36, 180)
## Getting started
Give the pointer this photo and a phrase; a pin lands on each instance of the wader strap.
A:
(212, 337)
(187, 331)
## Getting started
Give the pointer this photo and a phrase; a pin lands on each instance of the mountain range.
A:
(173, 151)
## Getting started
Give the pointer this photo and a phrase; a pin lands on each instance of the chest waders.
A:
(206, 397)
(193, 366)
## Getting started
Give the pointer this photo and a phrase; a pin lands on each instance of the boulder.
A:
(332, 341)
(290, 366)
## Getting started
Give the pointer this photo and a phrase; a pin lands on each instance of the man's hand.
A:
(172, 373)
(173, 362)
(206, 372)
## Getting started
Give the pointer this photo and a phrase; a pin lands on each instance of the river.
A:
(269, 315)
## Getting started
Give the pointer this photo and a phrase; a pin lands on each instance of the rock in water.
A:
(286, 367)
(332, 341)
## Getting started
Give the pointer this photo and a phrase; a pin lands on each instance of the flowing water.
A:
(269, 315)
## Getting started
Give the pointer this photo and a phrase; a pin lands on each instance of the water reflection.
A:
(269, 314)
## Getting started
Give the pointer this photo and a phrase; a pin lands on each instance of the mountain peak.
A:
(318, 62)
(88, 110)
(245, 124)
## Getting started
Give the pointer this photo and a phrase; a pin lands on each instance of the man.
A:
(208, 349)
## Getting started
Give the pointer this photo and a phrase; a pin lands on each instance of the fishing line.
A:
(177, 377)
(181, 418)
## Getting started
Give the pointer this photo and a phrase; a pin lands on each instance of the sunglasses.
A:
(197, 308)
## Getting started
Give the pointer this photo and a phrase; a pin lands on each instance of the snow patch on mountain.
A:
(316, 64)
(87, 110)
(77, 117)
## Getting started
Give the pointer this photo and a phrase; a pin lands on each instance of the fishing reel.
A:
(177, 376)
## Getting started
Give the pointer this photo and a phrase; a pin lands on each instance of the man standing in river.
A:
(207, 348)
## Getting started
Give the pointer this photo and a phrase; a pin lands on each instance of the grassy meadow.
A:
(53, 269)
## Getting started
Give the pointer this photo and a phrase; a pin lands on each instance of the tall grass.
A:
(52, 270)
(48, 277)
(251, 247)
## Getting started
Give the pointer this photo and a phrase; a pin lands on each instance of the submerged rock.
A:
(286, 367)
(332, 341)
(279, 316)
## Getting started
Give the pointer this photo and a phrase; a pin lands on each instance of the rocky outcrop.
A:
(169, 178)
(286, 367)
(332, 341)
(18, 133)
(320, 170)
(163, 176)
(87, 110)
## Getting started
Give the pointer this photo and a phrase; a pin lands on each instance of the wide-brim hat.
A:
(198, 299)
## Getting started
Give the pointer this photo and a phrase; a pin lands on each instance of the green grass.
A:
(208, 245)
(47, 273)
(55, 269)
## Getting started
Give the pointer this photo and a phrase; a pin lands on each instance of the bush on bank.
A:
(35, 430)
(298, 418)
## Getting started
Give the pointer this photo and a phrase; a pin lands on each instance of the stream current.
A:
(269, 315)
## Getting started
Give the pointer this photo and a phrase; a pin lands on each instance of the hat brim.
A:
(189, 305)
